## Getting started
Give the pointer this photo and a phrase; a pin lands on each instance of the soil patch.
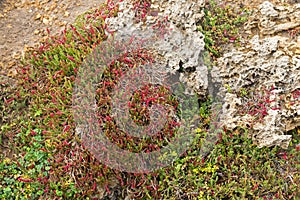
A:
(23, 25)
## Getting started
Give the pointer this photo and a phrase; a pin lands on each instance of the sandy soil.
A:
(23, 25)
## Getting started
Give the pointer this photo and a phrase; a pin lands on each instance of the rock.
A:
(264, 47)
(36, 32)
(67, 14)
(12, 73)
(45, 21)
(38, 16)
(182, 48)
(272, 19)
(62, 23)
(270, 133)
(270, 64)
(267, 9)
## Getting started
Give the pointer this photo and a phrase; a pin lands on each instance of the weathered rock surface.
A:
(274, 19)
(270, 60)
(180, 48)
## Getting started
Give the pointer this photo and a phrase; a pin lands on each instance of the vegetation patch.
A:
(220, 25)
(49, 161)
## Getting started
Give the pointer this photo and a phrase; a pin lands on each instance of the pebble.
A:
(36, 32)
(45, 21)
(38, 16)
(12, 73)
(67, 14)
(62, 23)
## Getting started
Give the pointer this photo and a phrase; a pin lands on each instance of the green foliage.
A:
(235, 169)
(48, 152)
(220, 25)
(51, 163)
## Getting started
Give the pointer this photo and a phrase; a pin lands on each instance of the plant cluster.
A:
(139, 112)
(294, 33)
(141, 8)
(220, 26)
(258, 102)
(52, 163)
(235, 169)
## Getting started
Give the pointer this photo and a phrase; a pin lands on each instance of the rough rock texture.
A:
(269, 61)
(274, 19)
(181, 48)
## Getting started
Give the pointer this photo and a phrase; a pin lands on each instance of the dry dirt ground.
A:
(23, 25)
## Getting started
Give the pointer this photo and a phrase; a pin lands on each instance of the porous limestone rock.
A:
(271, 19)
(270, 59)
(180, 48)
(184, 14)
(265, 61)
(270, 132)
(231, 105)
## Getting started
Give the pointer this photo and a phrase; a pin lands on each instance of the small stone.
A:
(17, 5)
(62, 23)
(12, 73)
(44, 2)
(67, 14)
(53, 6)
(38, 16)
(16, 56)
(26, 48)
(43, 39)
(45, 21)
(36, 32)
(267, 9)
(11, 64)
